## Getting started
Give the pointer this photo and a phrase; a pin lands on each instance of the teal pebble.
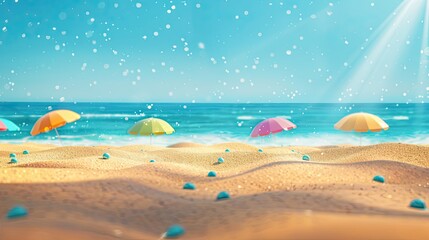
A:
(306, 158)
(13, 160)
(223, 196)
(106, 156)
(174, 231)
(17, 212)
(152, 160)
(189, 186)
(227, 150)
(12, 155)
(211, 174)
(220, 160)
(25, 152)
(378, 178)
(260, 150)
(418, 203)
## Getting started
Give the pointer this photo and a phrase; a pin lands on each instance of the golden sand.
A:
(72, 193)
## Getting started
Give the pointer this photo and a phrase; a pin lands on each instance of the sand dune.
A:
(72, 192)
(413, 154)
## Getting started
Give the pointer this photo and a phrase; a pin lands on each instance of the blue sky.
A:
(213, 51)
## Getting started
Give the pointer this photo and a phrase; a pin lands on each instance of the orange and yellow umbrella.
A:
(53, 120)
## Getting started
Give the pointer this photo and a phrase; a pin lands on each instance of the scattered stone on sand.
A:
(189, 186)
(17, 212)
(152, 161)
(418, 203)
(220, 160)
(378, 178)
(211, 174)
(106, 156)
(306, 157)
(13, 160)
(223, 196)
(57, 174)
(117, 232)
(12, 155)
(227, 150)
(174, 231)
(260, 150)
(25, 152)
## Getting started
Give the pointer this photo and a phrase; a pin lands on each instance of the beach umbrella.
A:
(53, 120)
(151, 127)
(272, 126)
(361, 122)
(7, 125)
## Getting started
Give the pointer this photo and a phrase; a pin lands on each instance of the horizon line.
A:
(75, 102)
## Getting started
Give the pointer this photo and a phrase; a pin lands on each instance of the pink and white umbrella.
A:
(272, 126)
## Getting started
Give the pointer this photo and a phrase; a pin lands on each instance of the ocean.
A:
(107, 123)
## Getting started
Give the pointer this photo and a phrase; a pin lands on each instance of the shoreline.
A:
(187, 144)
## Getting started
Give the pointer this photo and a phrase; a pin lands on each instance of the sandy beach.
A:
(72, 193)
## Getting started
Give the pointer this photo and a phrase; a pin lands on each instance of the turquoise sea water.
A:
(107, 123)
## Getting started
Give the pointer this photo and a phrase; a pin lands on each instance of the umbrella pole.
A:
(360, 139)
(274, 139)
(151, 139)
(58, 135)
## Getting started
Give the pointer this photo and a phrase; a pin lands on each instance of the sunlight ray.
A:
(374, 68)
(424, 55)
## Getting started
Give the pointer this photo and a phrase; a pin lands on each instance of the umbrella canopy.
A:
(7, 125)
(53, 120)
(272, 126)
(361, 122)
(151, 126)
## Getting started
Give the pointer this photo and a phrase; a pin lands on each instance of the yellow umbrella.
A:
(361, 122)
(150, 127)
(53, 120)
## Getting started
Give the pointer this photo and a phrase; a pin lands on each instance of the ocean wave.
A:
(112, 115)
(246, 118)
(89, 115)
(400, 118)
(285, 117)
(21, 116)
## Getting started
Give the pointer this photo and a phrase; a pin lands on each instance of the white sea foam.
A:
(400, 118)
(112, 115)
(285, 117)
(246, 118)
(209, 139)
(102, 115)
(20, 116)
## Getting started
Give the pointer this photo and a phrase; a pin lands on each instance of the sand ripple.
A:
(72, 192)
